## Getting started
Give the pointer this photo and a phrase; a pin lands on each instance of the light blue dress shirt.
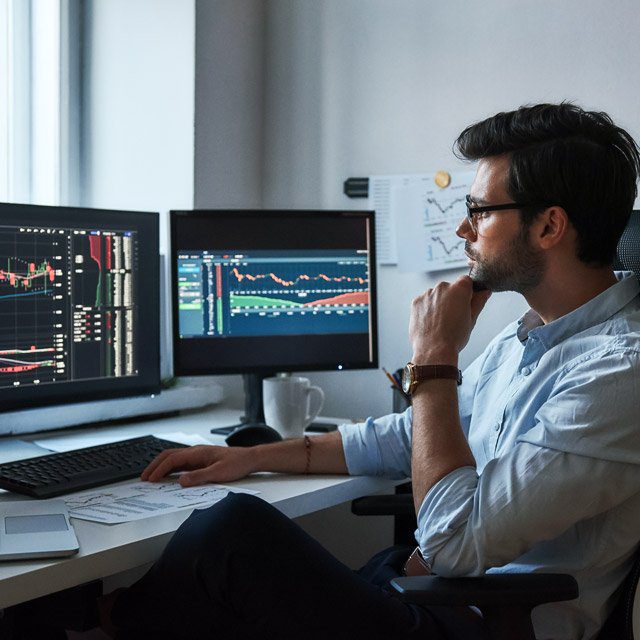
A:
(552, 416)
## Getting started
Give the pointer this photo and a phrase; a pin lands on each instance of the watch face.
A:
(406, 379)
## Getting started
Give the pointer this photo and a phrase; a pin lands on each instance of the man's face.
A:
(501, 256)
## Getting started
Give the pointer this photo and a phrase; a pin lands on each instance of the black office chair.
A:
(506, 600)
(628, 254)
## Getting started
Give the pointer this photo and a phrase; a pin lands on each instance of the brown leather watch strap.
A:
(434, 371)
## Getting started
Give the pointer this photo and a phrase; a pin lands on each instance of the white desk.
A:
(106, 550)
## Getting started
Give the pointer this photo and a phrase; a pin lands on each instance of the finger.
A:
(155, 462)
(198, 477)
(179, 460)
(466, 282)
(478, 300)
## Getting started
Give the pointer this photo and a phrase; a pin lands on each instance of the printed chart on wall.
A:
(426, 216)
(380, 189)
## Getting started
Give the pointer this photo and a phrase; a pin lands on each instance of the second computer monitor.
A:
(266, 291)
(79, 306)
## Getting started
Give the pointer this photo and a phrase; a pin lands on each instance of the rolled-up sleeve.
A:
(468, 523)
(380, 447)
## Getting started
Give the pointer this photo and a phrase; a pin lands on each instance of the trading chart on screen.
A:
(67, 305)
(259, 293)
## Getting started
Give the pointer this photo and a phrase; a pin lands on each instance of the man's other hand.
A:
(442, 319)
(202, 464)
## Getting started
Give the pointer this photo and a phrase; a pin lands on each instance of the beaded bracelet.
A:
(307, 444)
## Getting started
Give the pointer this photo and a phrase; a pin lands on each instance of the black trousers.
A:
(241, 569)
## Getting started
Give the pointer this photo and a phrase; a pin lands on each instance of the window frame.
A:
(40, 94)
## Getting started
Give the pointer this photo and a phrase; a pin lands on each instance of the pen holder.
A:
(400, 400)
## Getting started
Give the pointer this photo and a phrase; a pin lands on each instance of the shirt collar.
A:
(596, 311)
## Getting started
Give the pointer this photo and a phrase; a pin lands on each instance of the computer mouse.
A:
(250, 435)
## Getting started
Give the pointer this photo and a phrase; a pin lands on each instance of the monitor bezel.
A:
(181, 370)
(146, 223)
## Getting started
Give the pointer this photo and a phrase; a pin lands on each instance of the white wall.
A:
(138, 92)
(361, 87)
(229, 104)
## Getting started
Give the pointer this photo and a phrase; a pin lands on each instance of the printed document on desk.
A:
(137, 500)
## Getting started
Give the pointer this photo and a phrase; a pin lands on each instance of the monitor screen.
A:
(268, 291)
(79, 305)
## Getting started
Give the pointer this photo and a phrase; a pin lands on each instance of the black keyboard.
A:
(59, 473)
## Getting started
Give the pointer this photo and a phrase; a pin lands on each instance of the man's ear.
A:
(551, 227)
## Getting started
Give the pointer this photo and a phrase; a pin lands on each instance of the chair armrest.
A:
(400, 504)
(515, 589)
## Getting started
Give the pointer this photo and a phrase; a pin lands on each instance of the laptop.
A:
(36, 529)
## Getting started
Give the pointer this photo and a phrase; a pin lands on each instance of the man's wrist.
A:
(435, 356)
(260, 458)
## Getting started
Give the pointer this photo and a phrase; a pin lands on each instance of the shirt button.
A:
(497, 426)
(525, 371)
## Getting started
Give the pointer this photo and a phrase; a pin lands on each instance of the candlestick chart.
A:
(32, 283)
(66, 305)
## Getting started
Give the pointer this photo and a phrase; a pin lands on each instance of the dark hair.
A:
(563, 155)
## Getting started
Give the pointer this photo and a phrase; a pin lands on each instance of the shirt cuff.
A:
(362, 460)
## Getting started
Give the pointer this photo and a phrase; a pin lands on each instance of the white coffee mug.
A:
(290, 404)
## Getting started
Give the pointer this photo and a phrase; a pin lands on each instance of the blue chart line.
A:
(447, 250)
(31, 293)
(442, 208)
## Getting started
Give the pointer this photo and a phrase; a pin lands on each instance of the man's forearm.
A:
(326, 455)
(438, 443)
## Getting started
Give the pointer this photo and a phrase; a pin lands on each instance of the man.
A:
(532, 464)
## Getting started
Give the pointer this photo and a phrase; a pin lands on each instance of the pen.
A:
(393, 381)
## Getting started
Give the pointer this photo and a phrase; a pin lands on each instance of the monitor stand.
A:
(253, 411)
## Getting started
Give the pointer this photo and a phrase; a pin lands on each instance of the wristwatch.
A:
(414, 374)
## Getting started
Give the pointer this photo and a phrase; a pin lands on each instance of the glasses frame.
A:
(471, 210)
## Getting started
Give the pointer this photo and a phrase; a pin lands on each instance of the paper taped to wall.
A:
(380, 201)
(426, 217)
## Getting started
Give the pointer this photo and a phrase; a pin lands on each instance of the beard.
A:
(519, 268)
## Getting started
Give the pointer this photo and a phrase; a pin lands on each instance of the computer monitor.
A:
(267, 291)
(79, 305)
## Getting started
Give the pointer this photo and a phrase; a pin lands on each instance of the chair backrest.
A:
(635, 605)
(624, 622)
(628, 257)
(628, 254)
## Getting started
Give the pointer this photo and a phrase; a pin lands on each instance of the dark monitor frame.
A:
(331, 364)
(254, 373)
(146, 224)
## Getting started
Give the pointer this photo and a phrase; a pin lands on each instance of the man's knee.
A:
(222, 525)
(236, 511)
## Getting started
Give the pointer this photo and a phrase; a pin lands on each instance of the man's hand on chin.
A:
(442, 319)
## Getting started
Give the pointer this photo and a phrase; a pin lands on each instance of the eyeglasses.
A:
(473, 211)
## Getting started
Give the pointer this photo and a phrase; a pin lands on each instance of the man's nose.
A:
(465, 230)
